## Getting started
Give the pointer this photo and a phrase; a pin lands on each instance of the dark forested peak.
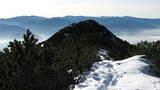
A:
(90, 23)
(90, 33)
(87, 26)
(88, 29)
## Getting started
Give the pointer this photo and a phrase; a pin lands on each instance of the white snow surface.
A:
(128, 74)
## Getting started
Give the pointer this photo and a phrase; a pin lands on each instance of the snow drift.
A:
(128, 74)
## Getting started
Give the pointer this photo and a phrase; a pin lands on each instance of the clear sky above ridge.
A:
(52, 8)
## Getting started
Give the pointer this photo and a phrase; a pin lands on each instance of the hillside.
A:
(7, 30)
(129, 74)
(89, 33)
(120, 26)
(132, 29)
(65, 59)
(81, 29)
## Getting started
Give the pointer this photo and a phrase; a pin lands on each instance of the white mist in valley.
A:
(149, 35)
(5, 41)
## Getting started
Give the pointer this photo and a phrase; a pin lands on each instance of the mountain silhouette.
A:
(84, 28)
(118, 25)
(89, 33)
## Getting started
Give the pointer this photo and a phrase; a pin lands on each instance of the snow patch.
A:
(128, 74)
(103, 54)
(66, 35)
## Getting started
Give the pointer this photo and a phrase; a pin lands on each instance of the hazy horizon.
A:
(78, 15)
(59, 8)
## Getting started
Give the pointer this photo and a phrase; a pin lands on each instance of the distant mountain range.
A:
(42, 26)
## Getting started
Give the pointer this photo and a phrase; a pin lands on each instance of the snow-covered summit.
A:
(128, 74)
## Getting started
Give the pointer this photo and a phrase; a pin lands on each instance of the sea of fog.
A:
(149, 35)
(5, 41)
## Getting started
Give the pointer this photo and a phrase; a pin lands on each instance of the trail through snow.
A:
(129, 74)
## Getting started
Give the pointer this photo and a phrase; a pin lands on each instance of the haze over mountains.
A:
(125, 27)
(65, 60)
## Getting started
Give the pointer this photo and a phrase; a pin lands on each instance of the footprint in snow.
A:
(118, 63)
(109, 70)
(109, 65)
(96, 78)
(143, 74)
(139, 69)
(146, 76)
(154, 85)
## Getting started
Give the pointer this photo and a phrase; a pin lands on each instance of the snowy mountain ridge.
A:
(128, 74)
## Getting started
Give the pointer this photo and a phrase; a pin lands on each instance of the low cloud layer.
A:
(149, 35)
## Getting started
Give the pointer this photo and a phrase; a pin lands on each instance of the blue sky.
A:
(52, 8)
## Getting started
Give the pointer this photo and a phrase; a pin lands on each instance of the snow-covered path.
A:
(129, 74)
